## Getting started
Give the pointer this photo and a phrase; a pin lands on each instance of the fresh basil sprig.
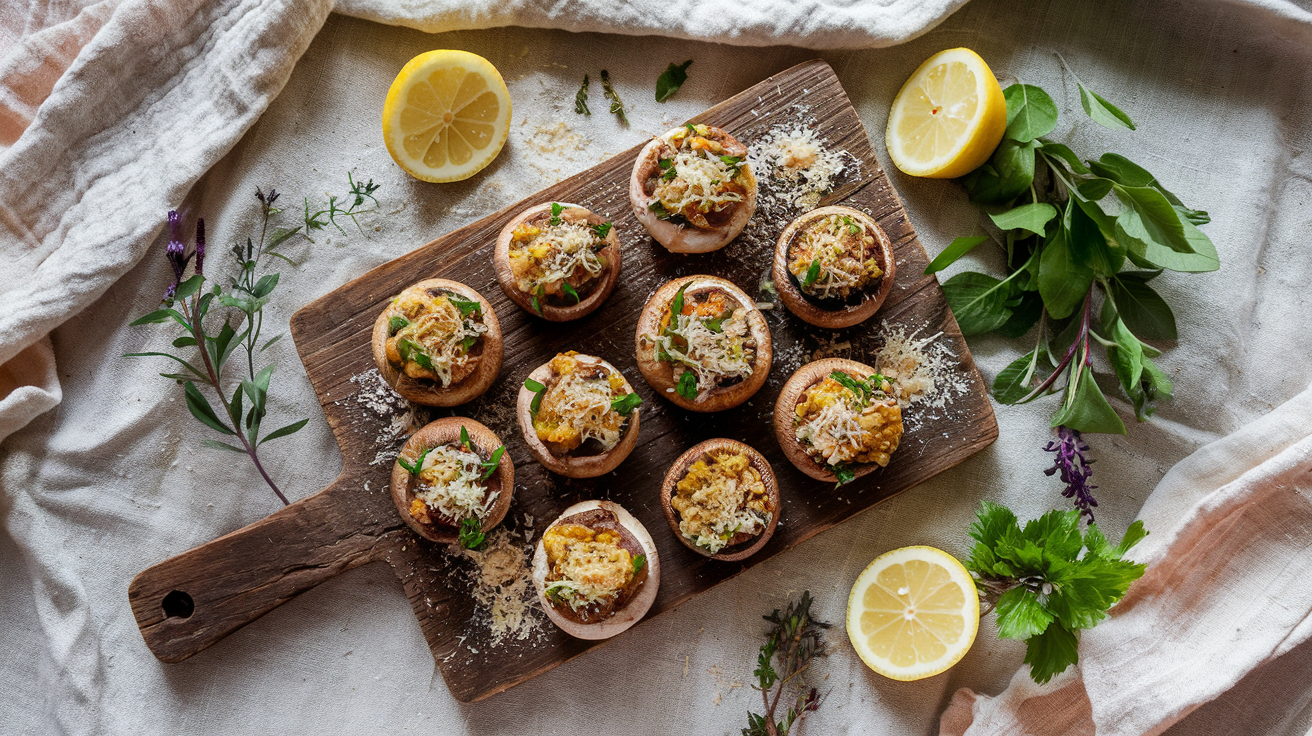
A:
(625, 405)
(659, 210)
(1082, 240)
(671, 80)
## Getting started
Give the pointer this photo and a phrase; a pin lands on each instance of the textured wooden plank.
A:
(331, 335)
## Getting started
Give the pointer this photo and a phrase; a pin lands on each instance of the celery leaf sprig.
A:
(1048, 581)
(793, 641)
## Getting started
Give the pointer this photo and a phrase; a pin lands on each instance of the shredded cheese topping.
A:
(545, 256)
(695, 179)
(436, 339)
(577, 406)
(721, 497)
(795, 166)
(836, 250)
(837, 426)
(713, 342)
(585, 566)
(450, 481)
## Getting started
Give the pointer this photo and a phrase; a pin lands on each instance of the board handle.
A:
(188, 602)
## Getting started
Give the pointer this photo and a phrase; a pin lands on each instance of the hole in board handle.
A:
(178, 605)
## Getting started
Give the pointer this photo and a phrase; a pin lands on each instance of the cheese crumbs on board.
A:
(794, 167)
(502, 588)
(923, 372)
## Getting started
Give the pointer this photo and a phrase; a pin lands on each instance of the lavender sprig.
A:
(1074, 467)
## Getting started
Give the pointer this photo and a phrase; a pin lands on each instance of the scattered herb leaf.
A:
(671, 80)
(616, 106)
(581, 98)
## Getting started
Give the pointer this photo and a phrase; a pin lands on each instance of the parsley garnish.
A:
(538, 392)
(413, 351)
(602, 230)
(812, 274)
(625, 405)
(717, 325)
(468, 343)
(581, 98)
(671, 80)
(418, 464)
(556, 209)
(856, 386)
(569, 291)
(659, 210)
(536, 301)
(490, 465)
(638, 562)
(668, 171)
(465, 306)
(676, 305)
(687, 386)
(1047, 581)
(471, 534)
(691, 128)
(616, 106)
(395, 324)
(464, 438)
(844, 473)
(852, 227)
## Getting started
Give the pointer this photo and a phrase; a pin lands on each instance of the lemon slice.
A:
(948, 117)
(913, 613)
(446, 116)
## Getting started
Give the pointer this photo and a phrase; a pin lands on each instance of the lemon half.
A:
(446, 116)
(913, 613)
(948, 117)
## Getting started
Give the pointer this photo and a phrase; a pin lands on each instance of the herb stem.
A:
(1082, 338)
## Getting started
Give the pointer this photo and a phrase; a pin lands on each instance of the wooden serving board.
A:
(189, 602)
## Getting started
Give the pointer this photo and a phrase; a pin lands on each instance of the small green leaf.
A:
(189, 287)
(1094, 189)
(602, 230)
(466, 306)
(1063, 279)
(1031, 113)
(284, 431)
(955, 250)
(491, 464)
(616, 106)
(556, 209)
(569, 291)
(671, 80)
(676, 304)
(581, 98)
(201, 409)
(1064, 153)
(843, 473)
(1051, 652)
(265, 285)
(978, 301)
(1020, 615)
(215, 444)
(395, 324)
(625, 405)
(638, 562)
(538, 392)
(204, 377)
(1013, 382)
(1143, 309)
(687, 385)
(471, 534)
(1006, 175)
(1087, 410)
(1133, 536)
(185, 341)
(464, 438)
(1029, 217)
(1103, 112)
(161, 315)
(812, 273)
(659, 210)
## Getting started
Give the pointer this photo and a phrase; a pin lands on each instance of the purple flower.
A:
(177, 254)
(200, 245)
(1074, 467)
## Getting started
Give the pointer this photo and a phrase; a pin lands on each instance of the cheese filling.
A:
(585, 566)
(838, 426)
(721, 496)
(709, 341)
(450, 481)
(545, 257)
(833, 257)
(577, 406)
(697, 177)
(433, 338)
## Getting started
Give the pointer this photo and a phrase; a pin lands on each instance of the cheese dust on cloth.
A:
(1226, 592)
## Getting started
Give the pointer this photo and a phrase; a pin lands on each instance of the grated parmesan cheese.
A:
(925, 372)
(711, 356)
(451, 482)
(502, 586)
(794, 168)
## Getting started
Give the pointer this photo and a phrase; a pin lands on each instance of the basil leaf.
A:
(1030, 217)
(978, 301)
(668, 172)
(1103, 112)
(1203, 258)
(1006, 175)
(812, 273)
(1126, 357)
(1142, 308)
(465, 306)
(1031, 113)
(1024, 314)
(716, 325)
(1013, 382)
(843, 473)
(671, 80)
(581, 98)
(569, 291)
(955, 250)
(1063, 278)
(731, 161)
(471, 534)
(687, 385)
(538, 392)
(1064, 153)
(1085, 408)
(395, 324)
(1094, 189)
(625, 405)
(1087, 239)
(1149, 220)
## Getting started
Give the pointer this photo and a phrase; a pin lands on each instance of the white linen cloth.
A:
(115, 113)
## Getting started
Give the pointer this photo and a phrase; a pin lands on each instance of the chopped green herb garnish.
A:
(671, 80)
(659, 210)
(851, 226)
(844, 474)
(581, 98)
(536, 301)
(490, 465)
(465, 306)
(625, 405)
(668, 171)
(418, 465)
(395, 324)
(717, 325)
(556, 209)
(638, 562)
(602, 230)
(569, 291)
(812, 274)
(856, 386)
(471, 534)
(691, 128)
(468, 343)
(676, 304)
(687, 386)
(538, 392)
(464, 438)
(731, 161)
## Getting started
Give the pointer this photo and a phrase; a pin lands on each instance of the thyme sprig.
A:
(793, 641)
(360, 191)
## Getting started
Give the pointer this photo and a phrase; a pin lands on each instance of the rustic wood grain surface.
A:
(187, 603)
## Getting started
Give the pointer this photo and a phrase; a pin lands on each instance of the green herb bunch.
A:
(1047, 581)
(793, 641)
(242, 397)
(1083, 241)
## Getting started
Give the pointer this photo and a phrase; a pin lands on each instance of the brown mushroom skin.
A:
(430, 393)
(686, 238)
(660, 374)
(785, 409)
(601, 290)
(446, 431)
(806, 309)
(568, 465)
(640, 602)
(741, 549)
